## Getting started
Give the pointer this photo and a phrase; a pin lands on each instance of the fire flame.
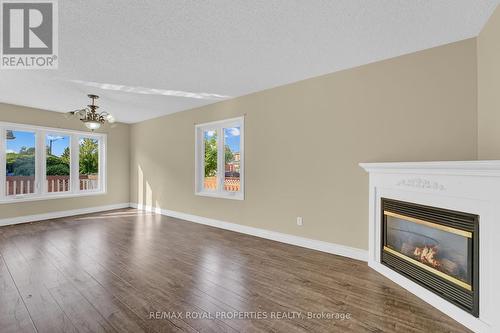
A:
(427, 255)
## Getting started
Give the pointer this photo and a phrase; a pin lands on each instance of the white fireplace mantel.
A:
(468, 186)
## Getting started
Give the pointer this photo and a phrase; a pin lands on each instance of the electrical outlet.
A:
(299, 221)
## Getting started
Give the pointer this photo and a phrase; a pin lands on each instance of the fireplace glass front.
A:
(436, 248)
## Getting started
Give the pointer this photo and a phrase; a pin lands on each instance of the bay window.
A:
(38, 163)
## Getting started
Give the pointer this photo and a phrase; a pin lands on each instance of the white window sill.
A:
(219, 195)
(37, 197)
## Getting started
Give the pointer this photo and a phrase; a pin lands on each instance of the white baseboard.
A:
(332, 248)
(59, 214)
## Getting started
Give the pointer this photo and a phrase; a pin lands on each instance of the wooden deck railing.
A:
(18, 185)
(57, 184)
(231, 184)
(90, 182)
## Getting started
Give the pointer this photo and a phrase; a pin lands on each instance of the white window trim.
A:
(40, 192)
(199, 159)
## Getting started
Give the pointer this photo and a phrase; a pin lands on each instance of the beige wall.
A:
(118, 162)
(303, 143)
(488, 57)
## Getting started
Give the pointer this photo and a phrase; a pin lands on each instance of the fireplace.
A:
(436, 248)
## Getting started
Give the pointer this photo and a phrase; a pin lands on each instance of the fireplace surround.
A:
(434, 229)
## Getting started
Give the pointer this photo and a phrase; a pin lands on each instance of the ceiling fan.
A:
(90, 117)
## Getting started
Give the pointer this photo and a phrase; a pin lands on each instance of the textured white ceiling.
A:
(156, 57)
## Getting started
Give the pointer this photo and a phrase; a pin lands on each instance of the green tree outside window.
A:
(211, 155)
(89, 156)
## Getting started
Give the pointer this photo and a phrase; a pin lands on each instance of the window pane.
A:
(57, 163)
(210, 163)
(89, 164)
(232, 159)
(20, 162)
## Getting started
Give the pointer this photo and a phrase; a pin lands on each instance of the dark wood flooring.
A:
(109, 272)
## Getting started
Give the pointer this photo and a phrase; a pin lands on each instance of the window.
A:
(89, 164)
(210, 159)
(232, 158)
(20, 162)
(219, 159)
(38, 163)
(57, 163)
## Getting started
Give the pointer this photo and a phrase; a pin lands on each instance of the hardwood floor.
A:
(109, 272)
